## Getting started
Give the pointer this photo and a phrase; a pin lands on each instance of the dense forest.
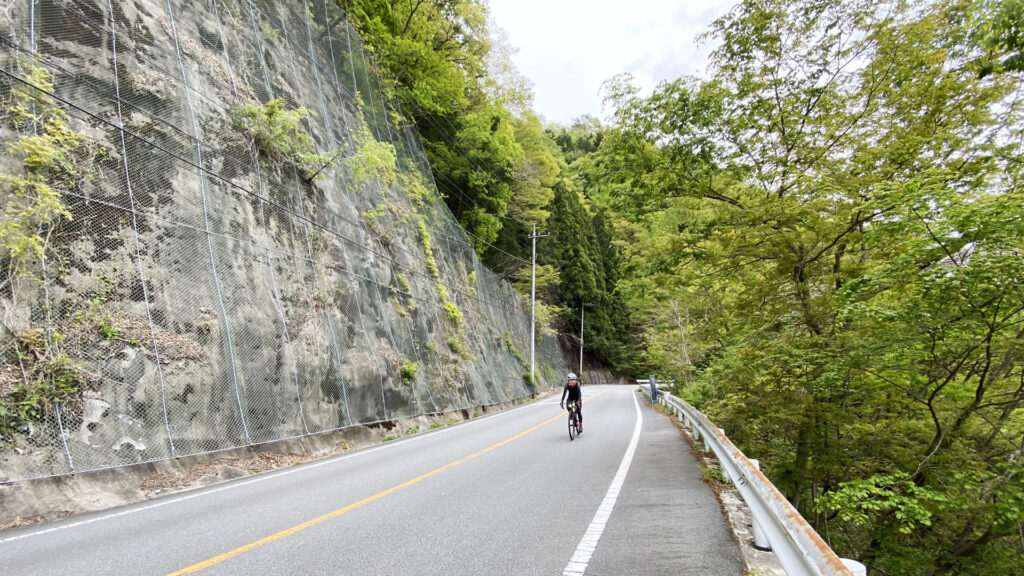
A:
(498, 167)
(819, 238)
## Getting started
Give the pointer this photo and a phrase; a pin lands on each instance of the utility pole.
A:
(583, 305)
(533, 300)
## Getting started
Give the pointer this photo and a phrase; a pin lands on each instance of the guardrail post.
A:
(777, 526)
(857, 568)
(725, 470)
(760, 539)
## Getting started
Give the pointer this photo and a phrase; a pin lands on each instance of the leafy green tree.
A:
(576, 251)
(608, 328)
(432, 49)
(535, 175)
(437, 54)
(477, 171)
(823, 241)
(580, 138)
(1002, 36)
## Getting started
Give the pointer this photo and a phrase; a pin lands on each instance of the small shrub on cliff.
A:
(107, 329)
(32, 201)
(372, 158)
(425, 241)
(270, 34)
(411, 181)
(455, 345)
(453, 313)
(277, 133)
(408, 371)
(442, 292)
(42, 381)
(403, 282)
(511, 346)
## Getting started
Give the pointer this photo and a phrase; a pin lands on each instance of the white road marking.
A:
(577, 565)
(260, 478)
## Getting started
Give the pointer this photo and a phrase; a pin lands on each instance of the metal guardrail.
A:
(800, 549)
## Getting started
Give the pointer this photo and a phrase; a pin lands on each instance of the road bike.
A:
(574, 420)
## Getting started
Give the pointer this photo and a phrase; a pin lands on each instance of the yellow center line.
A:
(299, 527)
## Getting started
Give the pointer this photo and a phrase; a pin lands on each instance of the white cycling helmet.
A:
(572, 376)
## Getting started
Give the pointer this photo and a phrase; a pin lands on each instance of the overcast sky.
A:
(567, 48)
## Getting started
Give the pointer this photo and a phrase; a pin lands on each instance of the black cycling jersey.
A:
(573, 392)
(575, 395)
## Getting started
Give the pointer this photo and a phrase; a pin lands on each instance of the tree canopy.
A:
(819, 238)
(500, 171)
(825, 247)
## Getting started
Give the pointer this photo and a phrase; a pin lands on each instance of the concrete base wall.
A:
(47, 499)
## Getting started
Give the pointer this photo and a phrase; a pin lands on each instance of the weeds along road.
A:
(505, 494)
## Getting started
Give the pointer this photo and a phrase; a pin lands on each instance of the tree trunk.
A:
(802, 461)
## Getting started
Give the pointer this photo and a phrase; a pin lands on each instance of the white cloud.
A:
(568, 48)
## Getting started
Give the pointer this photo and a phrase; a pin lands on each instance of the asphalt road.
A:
(505, 494)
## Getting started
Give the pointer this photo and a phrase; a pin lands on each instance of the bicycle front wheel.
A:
(572, 426)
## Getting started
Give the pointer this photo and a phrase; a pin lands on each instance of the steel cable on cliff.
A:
(341, 85)
(278, 304)
(316, 276)
(206, 220)
(323, 104)
(476, 164)
(135, 229)
(345, 89)
(234, 185)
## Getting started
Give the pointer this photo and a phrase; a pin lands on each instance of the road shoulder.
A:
(667, 520)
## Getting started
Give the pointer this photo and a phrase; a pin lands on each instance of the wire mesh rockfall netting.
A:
(175, 284)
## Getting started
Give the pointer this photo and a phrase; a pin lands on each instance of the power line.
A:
(391, 132)
(462, 194)
(216, 175)
(450, 138)
(465, 196)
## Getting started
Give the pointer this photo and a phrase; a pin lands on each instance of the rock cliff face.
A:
(176, 280)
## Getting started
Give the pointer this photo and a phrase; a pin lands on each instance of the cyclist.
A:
(572, 388)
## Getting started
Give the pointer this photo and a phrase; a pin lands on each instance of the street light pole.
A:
(533, 300)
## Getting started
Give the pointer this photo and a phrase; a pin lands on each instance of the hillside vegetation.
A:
(820, 239)
(217, 231)
(232, 233)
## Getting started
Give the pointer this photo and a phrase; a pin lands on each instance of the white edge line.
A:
(577, 565)
(261, 477)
